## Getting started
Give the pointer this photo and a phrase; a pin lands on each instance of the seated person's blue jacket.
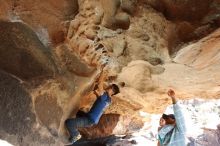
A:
(98, 107)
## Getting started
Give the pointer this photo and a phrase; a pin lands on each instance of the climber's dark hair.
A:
(115, 89)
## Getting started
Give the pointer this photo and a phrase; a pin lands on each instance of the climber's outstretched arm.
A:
(100, 84)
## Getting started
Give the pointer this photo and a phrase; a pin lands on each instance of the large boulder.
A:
(47, 18)
(22, 53)
(204, 53)
(137, 74)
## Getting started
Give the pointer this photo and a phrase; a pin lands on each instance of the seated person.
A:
(172, 127)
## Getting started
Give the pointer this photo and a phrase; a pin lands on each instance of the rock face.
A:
(193, 19)
(51, 52)
(205, 53)
(19, 45)
(47, 18)
(17, 117)
(18, 122)
(140, 78)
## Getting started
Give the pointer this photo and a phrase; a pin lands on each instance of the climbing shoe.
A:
(72, 140)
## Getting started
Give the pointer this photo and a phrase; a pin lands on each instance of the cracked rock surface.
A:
(51, 52)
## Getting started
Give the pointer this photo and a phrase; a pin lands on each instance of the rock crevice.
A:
(55, 50)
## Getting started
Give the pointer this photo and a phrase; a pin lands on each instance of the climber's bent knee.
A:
(68, 122)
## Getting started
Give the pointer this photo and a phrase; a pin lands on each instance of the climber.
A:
(92, 117)
(172, 127)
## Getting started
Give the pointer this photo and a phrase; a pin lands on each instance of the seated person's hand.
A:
(171, 93)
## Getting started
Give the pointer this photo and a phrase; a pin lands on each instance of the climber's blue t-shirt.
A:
(98, 107)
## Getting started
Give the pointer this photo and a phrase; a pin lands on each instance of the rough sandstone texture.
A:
(51, 52)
